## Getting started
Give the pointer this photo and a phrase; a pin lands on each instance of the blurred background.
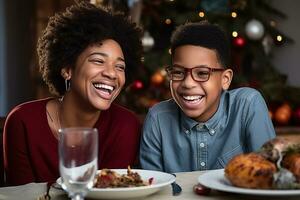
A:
(264, 37)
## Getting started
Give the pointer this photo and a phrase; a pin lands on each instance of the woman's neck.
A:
(74, 113)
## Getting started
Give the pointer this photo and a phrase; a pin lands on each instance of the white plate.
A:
(160, 180)
(216, 180)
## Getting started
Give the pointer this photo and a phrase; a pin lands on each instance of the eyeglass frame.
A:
(210, 71)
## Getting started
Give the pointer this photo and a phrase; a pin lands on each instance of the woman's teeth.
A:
(103, 86)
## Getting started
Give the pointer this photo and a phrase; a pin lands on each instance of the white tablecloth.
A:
(186, 180)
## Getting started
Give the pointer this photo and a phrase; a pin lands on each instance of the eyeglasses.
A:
(199, 74)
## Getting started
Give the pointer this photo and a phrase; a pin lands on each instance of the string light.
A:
(272, 23)
(201, 14)
(168, 21)
(233, 14)
(234, 34)
(169, 51)
(279, 38)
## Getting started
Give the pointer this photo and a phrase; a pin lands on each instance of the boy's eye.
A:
(202, 73)
(177, 72)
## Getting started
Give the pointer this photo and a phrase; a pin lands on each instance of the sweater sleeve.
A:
(18, 169)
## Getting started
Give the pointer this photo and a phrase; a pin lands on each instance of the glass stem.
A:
(77, 197)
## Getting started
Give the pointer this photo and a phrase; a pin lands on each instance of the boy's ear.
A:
(227, 78)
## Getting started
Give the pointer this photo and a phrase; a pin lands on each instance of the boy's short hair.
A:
(205, 35)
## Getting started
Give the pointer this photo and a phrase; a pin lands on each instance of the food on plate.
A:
(111, 179)
(275, 166)
(250, 171)
(292, 163)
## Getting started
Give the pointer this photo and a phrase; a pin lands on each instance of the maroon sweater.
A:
(31, 150)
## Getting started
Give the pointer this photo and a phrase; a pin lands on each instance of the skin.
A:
(199, 100)
(96, 80)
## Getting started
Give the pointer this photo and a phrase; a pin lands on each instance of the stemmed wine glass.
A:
(78, 155)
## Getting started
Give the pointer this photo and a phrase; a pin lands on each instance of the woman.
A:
(84, 53)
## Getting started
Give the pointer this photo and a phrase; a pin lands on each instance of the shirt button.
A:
(187, 131)
(202, 144)
(212, 131)
(202, 164)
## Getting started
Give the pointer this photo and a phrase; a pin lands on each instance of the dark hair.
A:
(69, 33)
(205, 35)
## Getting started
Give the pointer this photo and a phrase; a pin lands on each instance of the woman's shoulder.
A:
(119, 111)
(28, 108)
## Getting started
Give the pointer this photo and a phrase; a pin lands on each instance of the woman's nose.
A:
(110, 71)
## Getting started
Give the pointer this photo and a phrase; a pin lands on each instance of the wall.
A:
(2, 60)
(286, 58)
(17, 43)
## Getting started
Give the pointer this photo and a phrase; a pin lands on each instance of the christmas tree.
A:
(252, 29)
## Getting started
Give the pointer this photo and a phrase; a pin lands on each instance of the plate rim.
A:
(216, 175)
(125, 189)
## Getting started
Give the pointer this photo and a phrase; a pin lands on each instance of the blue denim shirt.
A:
(173, 142)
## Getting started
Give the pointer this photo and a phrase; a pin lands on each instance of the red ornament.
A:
(137, 85)
(157, 78)
(283, 114)
(239, 42)
(296, 115)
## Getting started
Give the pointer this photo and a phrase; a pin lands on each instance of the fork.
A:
(176, 189)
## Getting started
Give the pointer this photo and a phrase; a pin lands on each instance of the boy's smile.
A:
(199, 100)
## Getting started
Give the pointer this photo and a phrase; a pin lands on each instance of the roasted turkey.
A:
(250, 171)
(276, 165)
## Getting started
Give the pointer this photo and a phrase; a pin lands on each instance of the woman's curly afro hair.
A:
(69, 33)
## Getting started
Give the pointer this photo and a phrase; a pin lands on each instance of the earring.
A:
(67, 84)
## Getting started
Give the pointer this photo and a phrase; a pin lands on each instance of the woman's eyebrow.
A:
(105, 55)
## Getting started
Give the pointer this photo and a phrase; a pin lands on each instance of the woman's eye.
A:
(120, 67)
(97, 61)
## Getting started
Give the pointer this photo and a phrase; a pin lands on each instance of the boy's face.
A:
(199, 100)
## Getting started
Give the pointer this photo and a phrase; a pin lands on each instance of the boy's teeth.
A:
(99, 86)
(192, 98)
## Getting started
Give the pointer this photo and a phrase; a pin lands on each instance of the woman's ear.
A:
(227, 78)
(66, 73)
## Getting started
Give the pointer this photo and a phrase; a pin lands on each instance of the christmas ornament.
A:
(239, 42)
(137, 85)
(254, 29)
(271, 115)
(267, 43)
(157, 78)
(296, 115)
(283, 114)
(147, 41)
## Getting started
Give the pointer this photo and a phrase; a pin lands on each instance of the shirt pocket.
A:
(226, 157)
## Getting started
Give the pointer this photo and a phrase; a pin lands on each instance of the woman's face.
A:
(99, 75)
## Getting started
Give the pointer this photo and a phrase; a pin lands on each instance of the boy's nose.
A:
(188, 80)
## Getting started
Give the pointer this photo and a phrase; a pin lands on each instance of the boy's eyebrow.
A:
(178, 65)
(105, 55)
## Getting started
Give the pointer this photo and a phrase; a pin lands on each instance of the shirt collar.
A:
(213, 124)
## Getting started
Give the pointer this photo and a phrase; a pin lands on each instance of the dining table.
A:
(187, 180)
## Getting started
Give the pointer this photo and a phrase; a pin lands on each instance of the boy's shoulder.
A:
(244, 93)
(167, 106)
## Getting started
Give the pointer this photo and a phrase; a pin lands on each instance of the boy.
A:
(203, 126)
